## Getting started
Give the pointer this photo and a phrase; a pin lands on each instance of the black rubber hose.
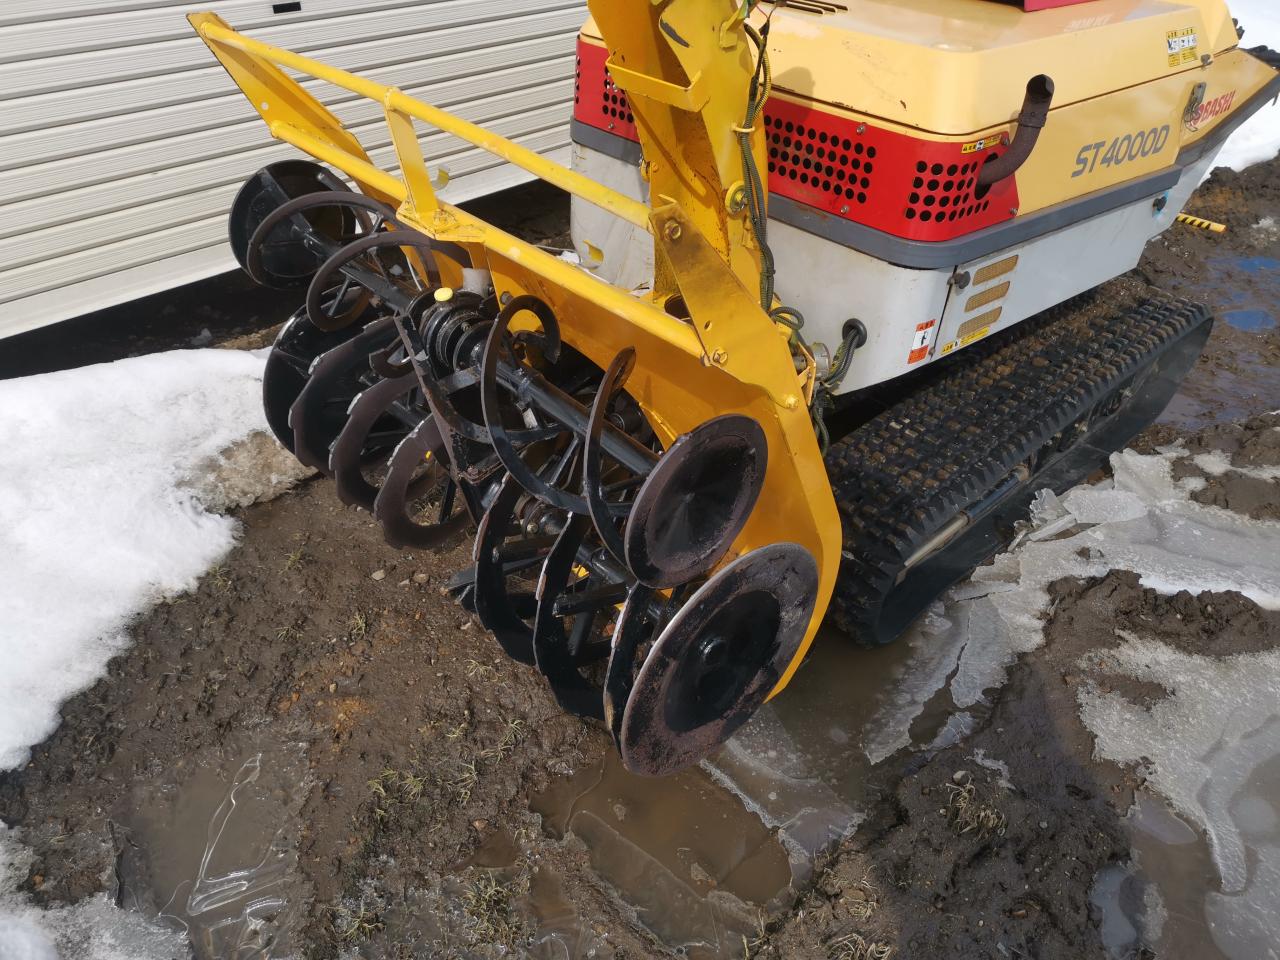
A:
(1031, 120)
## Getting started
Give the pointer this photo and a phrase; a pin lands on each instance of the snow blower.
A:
(830, 330)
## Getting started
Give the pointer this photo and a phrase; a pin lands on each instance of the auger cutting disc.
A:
(271, 187)
(696, 501)
(718, 659)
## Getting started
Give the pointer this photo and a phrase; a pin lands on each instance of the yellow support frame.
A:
(687, 65)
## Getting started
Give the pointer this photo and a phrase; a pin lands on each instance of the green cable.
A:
(756, 197)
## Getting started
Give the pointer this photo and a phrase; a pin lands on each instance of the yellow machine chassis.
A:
(727, 355)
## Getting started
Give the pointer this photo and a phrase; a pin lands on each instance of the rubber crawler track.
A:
(1026, 396)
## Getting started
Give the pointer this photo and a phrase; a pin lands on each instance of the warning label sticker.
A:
(920, 344)
(979, 145)
(1183, 46)
(965, 341)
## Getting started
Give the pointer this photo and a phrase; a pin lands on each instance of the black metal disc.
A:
(320, 412)
(499, 610)
(288, 364)
(555, 653)
(718, 659)
(696, 501)
(271, 187)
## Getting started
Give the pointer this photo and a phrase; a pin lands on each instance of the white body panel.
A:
(1059, 265)
(122, 141)
(912, 316)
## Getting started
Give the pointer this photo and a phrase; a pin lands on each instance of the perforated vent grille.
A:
(820, 159)
(945, 192)
(614, 104)
(905, 185)
(595, 98)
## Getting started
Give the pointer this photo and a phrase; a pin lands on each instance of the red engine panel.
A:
(910, 187)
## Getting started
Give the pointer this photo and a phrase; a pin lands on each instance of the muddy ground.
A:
(414, 755)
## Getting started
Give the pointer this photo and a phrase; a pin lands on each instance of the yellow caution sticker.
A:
(966, 340)
(1184, 46)
(985, 144)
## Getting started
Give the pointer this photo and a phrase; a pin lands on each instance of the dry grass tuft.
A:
(969, 814)
(355, 924)
(487, 904)
(853, 946)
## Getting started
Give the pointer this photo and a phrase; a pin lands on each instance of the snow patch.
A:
(93, 929)
(1258, 138)
(1216, 464)
(103, 512)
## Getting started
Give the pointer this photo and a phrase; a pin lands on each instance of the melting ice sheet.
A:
(799, 763)
(93, 929)
(1212, 748)
(1142, 520)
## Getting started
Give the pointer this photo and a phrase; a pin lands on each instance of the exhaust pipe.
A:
(1031, 120)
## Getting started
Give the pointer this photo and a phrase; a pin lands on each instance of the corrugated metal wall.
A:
(122, 141)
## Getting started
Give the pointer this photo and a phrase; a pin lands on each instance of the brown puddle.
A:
(703, 856)
(210, 849)
(685, 853)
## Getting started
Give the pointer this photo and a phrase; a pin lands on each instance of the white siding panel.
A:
(25, 77)
(444, 81)
(183, 238)
(51, 192)
(59, 37)
(142, 204)
(157, 275)
(122, 142)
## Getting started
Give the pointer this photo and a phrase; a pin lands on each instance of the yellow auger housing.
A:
(638, 440)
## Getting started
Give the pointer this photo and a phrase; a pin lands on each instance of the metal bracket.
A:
(691, 98)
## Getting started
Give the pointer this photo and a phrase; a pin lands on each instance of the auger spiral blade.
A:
(596, 551)
(368, 436)
(418, 467)
(320, 411)
(297, 346)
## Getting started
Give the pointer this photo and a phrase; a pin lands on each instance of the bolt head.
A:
(673, 230)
